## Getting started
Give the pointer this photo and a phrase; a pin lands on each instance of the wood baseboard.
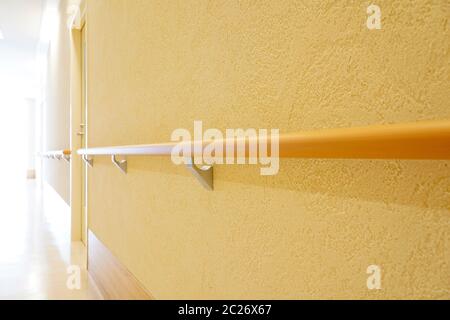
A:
(113, 280)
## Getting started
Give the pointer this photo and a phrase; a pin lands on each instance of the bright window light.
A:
(1, 35)
(49, 24)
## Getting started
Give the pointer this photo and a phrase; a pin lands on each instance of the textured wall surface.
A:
(312, 230)
(57, 105)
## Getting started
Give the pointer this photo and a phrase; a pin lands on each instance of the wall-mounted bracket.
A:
(121, 164)
(204, 174)
(89, 162)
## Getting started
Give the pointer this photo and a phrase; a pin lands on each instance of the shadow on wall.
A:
(419, 183)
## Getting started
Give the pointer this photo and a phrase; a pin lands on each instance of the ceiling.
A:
(20, 22)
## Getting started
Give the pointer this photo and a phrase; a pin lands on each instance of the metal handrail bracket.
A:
(121, 164)
(204, 174)
(88, 161)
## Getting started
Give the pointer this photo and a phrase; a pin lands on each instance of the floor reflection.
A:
(35, 246)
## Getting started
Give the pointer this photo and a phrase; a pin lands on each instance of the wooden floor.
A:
(35, 246)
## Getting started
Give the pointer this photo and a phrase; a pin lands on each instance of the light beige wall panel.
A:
(312, 230)
(57, 105)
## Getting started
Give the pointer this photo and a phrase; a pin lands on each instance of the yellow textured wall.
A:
(312, 230)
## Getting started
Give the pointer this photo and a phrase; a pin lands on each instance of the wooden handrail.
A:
(58, 154)
(417, 140)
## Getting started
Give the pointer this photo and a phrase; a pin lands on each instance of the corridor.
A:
(210, 149)
(35, 245)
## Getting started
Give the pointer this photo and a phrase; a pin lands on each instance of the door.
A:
(83, 135)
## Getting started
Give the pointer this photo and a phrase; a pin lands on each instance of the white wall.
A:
(56, 96)
(31, 113)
